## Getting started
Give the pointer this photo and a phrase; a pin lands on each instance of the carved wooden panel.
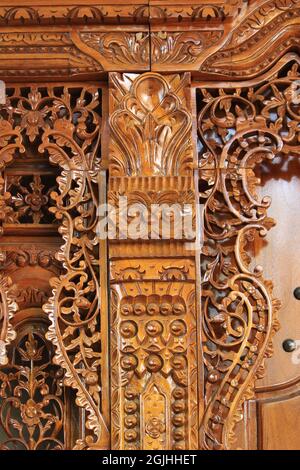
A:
(58, 125)
(238, 128)
(182, 360)
(33, 401)
(214, 39)
(153, 318)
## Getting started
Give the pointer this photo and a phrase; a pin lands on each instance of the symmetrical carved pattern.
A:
(153, 355)
(158, 141)
(118, 13)
(216, 38)
(153, 318)
(36, 262)
(31, 396)
(238, 129)
(77, 14)
(64, 124)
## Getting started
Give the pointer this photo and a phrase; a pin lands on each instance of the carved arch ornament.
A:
(239, 125)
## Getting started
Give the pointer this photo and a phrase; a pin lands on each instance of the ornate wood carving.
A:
(158, 330)
(213, 38)
(238, 128)
(265, 34)
(63, 12)
(8, 307)
(153, 339)
(31, 397)
(63, 123)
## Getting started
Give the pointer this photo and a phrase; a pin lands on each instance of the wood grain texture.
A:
(186, 332)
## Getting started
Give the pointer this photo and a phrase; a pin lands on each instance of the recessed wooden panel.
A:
(279, 424)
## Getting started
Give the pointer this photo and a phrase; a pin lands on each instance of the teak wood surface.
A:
(161, 343)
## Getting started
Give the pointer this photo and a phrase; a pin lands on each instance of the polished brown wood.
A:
(152, 343)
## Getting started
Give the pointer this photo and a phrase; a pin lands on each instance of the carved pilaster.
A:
(153, 306)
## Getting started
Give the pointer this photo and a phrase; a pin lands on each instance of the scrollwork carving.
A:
(238, 129)
(64, 125)
(155, 108)
(31, 397)
(181, 47)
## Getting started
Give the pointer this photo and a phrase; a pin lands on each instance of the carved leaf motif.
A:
(246, 127)
(158, 140)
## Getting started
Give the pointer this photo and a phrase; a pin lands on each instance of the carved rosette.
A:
(238, 129)
(153, 319)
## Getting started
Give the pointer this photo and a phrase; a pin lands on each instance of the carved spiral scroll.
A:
(238, 129)
(63, 123)
(74, 309)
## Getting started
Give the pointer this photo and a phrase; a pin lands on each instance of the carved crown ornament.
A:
(211, 38)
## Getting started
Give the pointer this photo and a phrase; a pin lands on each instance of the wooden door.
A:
(122, 335)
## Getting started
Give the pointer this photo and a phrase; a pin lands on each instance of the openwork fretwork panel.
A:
(50, 139)
(238, 129)
(32, 408)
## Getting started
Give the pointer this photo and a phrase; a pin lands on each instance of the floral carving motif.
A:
(70, 138)
(155, 427)
(183, 47)
(31, 397)
(30, 197)
(238, 129)
(127, 48)
(75, 308)
(7, 309)
(153, 109)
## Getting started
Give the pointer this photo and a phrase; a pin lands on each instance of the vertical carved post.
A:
(153, 321)
(7, 309)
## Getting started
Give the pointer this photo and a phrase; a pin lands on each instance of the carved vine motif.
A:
(238, 129)
(270, 23)
(31, 397)
(73, 144)
(64, 124)
(154, 110)
(7, 309)
(128, 48)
